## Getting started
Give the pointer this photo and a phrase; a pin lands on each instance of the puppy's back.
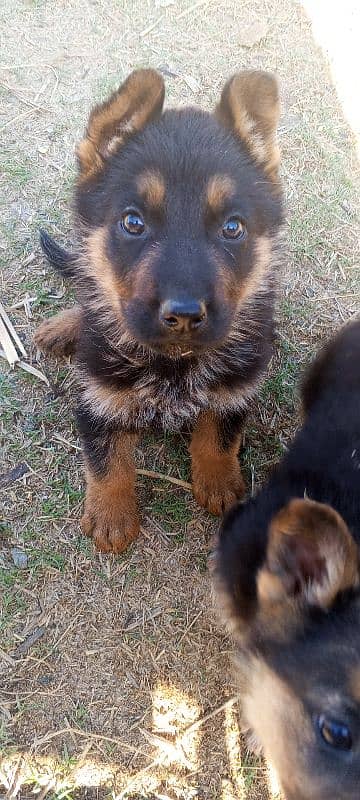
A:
(336, 369)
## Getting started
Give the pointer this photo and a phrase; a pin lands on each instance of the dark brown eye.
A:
(334, 733)
(233, 228)
(133, 223)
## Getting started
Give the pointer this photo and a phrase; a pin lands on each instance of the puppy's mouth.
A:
(177, 351)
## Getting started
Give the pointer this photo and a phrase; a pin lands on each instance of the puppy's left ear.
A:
(311, 556)
(250, 107)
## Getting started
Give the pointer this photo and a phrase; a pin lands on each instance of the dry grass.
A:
(106, 663)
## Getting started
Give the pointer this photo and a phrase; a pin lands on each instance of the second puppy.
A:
(288, 580)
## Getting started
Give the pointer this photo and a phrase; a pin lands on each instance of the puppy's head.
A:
(181, 208)
(296, 620)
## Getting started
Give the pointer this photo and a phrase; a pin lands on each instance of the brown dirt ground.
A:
(130, 653)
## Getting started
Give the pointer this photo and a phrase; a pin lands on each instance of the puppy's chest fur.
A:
(139, 390)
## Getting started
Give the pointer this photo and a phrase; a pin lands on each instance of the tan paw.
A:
(58, 336)
(112, 529)
(221, 486)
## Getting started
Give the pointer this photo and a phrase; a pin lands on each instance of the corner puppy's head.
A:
(296, 619)
(181, 209)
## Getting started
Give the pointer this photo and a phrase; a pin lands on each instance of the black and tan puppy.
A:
(178, 215)
(288, 584)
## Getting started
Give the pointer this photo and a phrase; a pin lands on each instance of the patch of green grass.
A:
(250, 768)
(279, 388)
(201, 562)
(177, 455)
(9, 402)
(11, 604)
(108, 84)
(80, 716)
(18, 172)
(62, 496)
(4, 736)
(41, 559)
(131, 574)
(8, 577)
(171, 509)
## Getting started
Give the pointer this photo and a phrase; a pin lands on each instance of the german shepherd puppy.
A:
(288, 582)
(178, 217)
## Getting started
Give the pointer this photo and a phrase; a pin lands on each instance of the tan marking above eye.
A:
(220, 189)
(151, 188)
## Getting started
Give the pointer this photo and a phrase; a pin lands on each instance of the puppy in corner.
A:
(288, 585)
(178, 216)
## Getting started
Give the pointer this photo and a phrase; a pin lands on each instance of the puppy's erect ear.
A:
(137, 101)
(311, 556)
(250, 107)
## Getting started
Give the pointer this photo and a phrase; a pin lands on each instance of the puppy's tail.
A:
(62, 261)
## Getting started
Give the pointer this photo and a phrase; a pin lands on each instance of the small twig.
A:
(16, 781)
(210, 715)
(192, 8)
(192, 623)
(16, 119)
(151, 27)
(46, 789)
(22, 99)
(148, 473)
(153, 763)
(25, 301)
(7, 658)
(29, 641)
(88, 735)
(54, 646)
(65, 441)
(160, 475)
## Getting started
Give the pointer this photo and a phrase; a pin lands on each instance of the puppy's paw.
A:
(111, 528)
(220, 486)
(58, 336)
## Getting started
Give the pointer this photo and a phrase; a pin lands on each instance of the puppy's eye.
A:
(233, 228)
(334, 733)
(133, 223)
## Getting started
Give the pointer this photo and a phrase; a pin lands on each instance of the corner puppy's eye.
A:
(334, 733)
(133, 223)
(233, 228)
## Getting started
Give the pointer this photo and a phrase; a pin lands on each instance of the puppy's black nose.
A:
(182, 316)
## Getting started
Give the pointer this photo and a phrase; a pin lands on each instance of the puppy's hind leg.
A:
(59, 335)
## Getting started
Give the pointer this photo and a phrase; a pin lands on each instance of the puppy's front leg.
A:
(216, 474)
(110, 513)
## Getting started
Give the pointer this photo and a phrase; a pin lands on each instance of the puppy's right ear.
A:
(137, 101)
(265, 578)
(250, 108)
(311, 558)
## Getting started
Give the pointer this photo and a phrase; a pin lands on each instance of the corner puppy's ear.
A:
(137, 101)
(250, 107)
(311, 556)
